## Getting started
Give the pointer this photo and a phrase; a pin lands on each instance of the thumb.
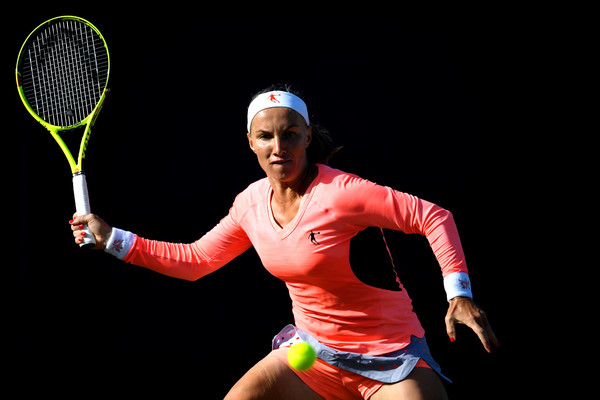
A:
(81, 219)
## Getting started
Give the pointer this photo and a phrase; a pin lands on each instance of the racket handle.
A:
(82, 206)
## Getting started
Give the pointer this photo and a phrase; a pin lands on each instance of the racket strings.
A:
(64, 72)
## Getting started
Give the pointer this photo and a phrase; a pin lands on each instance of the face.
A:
(279, 138)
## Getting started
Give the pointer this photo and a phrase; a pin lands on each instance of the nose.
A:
(279, 147)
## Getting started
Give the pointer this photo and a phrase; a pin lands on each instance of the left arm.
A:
(387, 208)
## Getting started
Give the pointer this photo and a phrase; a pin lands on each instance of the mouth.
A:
(280, 162)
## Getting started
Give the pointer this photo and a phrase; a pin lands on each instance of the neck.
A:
(288, 192)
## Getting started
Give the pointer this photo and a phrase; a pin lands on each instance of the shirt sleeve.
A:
(191, 261)
(368, 204)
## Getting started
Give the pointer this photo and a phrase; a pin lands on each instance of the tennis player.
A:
(301, 219)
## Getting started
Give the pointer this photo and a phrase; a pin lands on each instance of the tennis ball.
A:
(301, 356)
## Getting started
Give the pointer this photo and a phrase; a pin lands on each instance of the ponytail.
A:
(321, 148)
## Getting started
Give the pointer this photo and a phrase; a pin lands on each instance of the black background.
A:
(432, 106)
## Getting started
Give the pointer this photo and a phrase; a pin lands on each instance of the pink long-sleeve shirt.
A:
(311, 255)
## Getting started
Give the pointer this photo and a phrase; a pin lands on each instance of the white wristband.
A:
(457, 284)
(120, 243)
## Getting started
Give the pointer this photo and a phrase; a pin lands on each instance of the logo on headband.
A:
(273, 99)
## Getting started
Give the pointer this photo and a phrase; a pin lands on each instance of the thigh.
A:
(420, 384)
(271, 379)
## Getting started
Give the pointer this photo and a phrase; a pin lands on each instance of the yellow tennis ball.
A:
(301, 356)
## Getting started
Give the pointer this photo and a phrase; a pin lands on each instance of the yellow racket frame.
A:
(76, 166)
(80, 191)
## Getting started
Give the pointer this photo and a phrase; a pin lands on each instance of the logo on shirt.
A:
(312, 237)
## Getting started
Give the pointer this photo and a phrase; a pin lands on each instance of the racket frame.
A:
(79, 181)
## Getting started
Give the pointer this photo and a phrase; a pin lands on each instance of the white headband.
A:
(277, 99)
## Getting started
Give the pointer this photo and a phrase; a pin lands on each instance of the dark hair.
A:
(321, 148)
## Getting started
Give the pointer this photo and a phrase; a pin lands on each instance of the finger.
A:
(483, 337)
(79, 239)
(490, 333)
(79, 234)
(74, 221)
(79, 221)
(76, 227)
(480, 326)
(451, 329)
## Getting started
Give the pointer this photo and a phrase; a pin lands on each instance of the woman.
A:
(301, 219)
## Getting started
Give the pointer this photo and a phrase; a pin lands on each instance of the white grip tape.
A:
(82, 205)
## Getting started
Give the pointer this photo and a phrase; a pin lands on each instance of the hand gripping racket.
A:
(62, 77)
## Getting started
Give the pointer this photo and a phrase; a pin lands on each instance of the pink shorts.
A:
(334, 383)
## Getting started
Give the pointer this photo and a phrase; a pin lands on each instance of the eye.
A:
(265, 136)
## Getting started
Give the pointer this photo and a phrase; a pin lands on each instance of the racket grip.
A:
(82, 206)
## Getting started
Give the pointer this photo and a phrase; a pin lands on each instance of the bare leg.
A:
(420, 384)
(271, 379)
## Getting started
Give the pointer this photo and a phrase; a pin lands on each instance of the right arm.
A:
(189, 261)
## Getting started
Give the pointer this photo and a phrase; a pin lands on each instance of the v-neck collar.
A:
(291, 226)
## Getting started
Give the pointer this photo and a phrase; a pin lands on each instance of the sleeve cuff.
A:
(120, 243)
(457, 284)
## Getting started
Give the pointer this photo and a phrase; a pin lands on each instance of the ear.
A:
(250, 142)
(308, 136)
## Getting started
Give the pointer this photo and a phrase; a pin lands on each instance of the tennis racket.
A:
(62, 77)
